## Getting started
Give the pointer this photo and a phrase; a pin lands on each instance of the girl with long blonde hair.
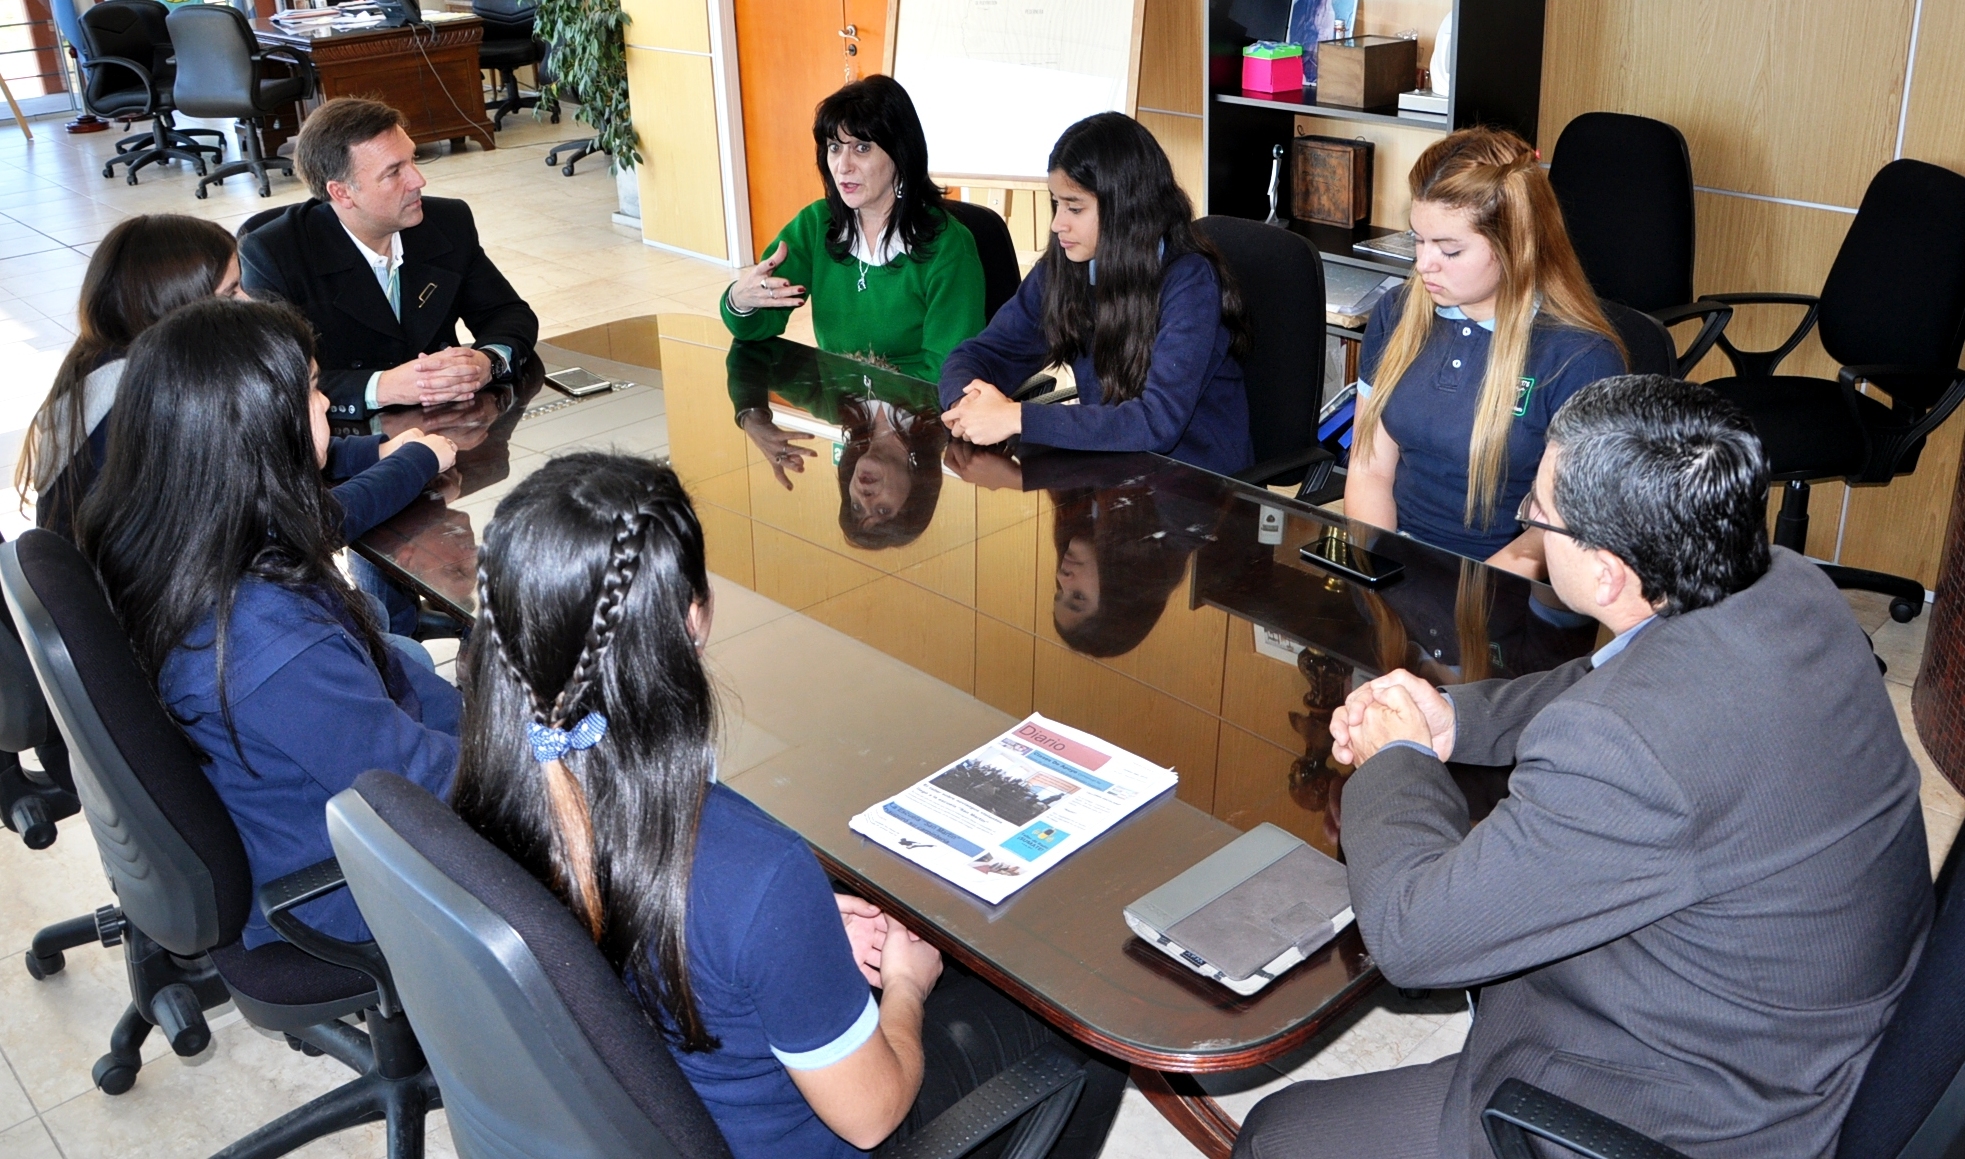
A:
(1463, 368)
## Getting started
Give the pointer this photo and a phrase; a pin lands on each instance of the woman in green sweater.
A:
(892, 278)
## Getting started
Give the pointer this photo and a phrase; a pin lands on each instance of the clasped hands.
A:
(984, 415)
(1396, 706)
(886, 951)
(428, 379)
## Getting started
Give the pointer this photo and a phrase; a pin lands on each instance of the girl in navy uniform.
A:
(1139, 305)
(590, 759)
(1464, 367)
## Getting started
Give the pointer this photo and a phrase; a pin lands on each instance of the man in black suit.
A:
(384, 273)
(1696, 908)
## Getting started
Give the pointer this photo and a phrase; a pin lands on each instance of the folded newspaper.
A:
(1015, 807)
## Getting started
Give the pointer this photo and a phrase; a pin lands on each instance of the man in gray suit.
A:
(1697, 907)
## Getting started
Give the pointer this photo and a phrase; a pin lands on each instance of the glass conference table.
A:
(1161, 607)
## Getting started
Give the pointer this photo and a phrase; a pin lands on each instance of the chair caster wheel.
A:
(303, 1046)
(109, 171)
(555, 118)
(39, 968)
(567, 169)
(1903, 611)
(113, 1077)
(132, 179)
(203, 193)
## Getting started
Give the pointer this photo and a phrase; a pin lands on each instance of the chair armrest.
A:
(1892, 378)
(1310, 468)
(122, 62)
(1763, 363)
(278, 898)
(1035, 385)
(1716, 314)
(1518, 1111)
(1061, 394)
(1046, 1076)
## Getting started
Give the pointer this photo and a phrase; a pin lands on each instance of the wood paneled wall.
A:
(1172, 88)
(1800, 100)
(672, 96)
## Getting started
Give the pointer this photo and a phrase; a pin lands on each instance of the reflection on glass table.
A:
(1161, 607)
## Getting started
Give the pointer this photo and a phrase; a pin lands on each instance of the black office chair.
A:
(537, 1045)
(1892, 313)
(126, 58)
(221, 72)
(1648, 346)
(1910, 1103)
(1281, 278)
(181, 879)
(508, 46)
(1001, 275)
(259, 219)
(1625, 187)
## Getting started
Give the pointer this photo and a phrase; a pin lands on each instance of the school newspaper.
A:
(1015, 807)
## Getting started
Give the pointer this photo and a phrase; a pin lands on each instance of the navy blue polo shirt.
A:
(774, 979)
(1431, 417)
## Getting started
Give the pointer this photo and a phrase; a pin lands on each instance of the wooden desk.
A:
(428, 71)
(966, 599)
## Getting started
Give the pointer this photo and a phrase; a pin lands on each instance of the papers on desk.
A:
(1354, 290)
(996, 819)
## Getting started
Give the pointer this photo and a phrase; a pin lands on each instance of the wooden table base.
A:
(1181, 1101)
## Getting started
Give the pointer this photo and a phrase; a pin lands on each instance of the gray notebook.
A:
(1248, 911)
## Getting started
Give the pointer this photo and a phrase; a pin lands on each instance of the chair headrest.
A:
(523, 1020)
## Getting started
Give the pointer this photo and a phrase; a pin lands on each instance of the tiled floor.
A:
(552, 237)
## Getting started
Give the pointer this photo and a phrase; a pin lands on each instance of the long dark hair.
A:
(212, 478)
(1140, 210)
(878, 109)
(1139, 565)
(144, 268)
(585, 582)
(925, 439)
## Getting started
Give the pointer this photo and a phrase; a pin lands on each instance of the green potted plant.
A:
(589, 67)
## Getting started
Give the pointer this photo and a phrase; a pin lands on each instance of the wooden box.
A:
(1330, 180)
(1366, 72)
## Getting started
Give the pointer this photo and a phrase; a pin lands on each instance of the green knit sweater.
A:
(913, 311)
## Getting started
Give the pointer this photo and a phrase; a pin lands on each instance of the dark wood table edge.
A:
(1164, 1077)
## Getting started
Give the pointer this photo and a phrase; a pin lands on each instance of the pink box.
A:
(1280, 75)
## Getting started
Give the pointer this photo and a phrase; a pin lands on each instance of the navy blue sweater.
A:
(369, 487)
(312, 713)
(1193, 407)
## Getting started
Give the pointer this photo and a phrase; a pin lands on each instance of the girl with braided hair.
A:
(1465, 366)
(590, 759)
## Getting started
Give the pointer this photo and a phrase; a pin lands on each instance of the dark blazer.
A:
(306, 257)
(1697, 907)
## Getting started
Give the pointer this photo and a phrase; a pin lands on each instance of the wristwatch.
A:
(500, 368)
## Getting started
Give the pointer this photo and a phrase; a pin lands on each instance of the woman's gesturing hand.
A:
(759, 286)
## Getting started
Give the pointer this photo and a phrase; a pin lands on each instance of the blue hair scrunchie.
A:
(550, 744)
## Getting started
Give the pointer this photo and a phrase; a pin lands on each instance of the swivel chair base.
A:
(584, 147)
(1791, 531)
(512, 102)
(393, 1084)
(167, 143)
(31, 802)
(254, 162)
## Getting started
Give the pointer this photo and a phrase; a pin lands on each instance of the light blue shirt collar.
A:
(1091, 273)
(1456, 314)
(1608, 652)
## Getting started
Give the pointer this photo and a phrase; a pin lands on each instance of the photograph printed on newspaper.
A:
(1015, 807)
